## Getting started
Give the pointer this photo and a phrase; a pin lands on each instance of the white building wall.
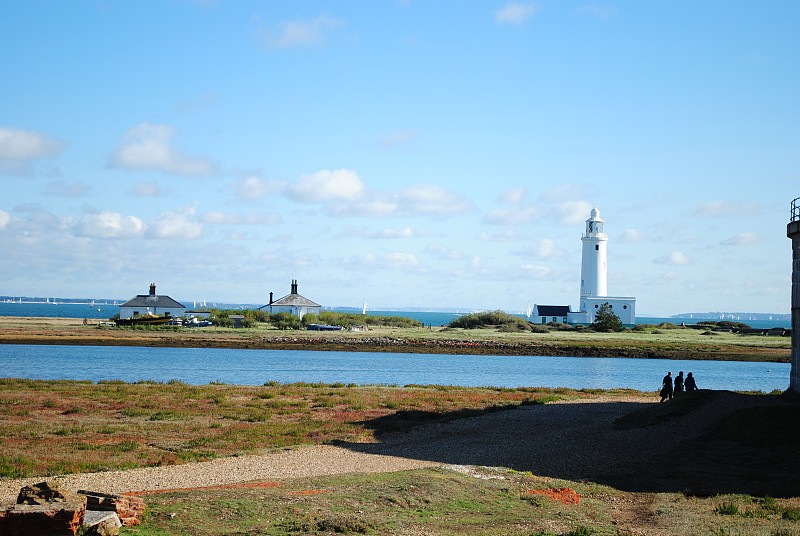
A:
(623, 307)
(298, 311)
(131, 312)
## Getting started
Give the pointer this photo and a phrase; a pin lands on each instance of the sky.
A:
(400, 152)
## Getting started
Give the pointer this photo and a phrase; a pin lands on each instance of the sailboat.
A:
(364, 308)
(530, 310)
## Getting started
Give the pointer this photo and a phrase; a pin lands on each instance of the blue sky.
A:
(406, 153)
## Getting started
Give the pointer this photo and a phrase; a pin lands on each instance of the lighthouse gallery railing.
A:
(795, 215)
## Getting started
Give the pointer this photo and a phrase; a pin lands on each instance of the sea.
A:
(106, 310)
(199, 366)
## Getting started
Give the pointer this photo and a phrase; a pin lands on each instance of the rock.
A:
(46, 492)
(62, 518)
(129, 508)
(101, 523)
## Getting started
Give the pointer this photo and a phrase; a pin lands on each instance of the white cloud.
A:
(344, 195)
(20, 148)
(432, 200)
(536, 271)
(147, 146)
(503, 236)
(572, 212)
(176, 225)
(5, 217)
(64, 189)
(515, 13)
(747, 238)
(444, 253)
(395, 261)
(146, 189)
(632, 235)
(301, 33)
(322, 186)
(516, 211)
(514, 196)
(18, 144)
(110, 225)
(400, 260)
(676, 258)
(546, 248)
(404, 232)
(717, 209)
(217, 217)
(370, 208)
(512, 216)
(255, 188)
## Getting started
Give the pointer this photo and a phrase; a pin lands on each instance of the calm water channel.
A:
(254, 367)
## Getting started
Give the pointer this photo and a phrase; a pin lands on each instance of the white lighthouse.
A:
(594, 260)
(594, 278)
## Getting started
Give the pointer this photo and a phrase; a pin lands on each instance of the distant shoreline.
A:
(71, 331)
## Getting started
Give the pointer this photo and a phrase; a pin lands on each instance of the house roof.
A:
(150, 300)
(293, 300)
(552, 310)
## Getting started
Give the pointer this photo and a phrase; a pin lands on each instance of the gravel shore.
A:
(508, 438)
(572, 440)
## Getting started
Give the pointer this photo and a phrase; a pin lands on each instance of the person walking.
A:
(679, 383)
(690, 384)
(666, 387)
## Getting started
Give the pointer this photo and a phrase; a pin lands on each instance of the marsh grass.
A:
(114, 425)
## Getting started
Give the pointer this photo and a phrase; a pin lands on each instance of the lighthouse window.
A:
(596, 306)
(597, 247)
(624, 306)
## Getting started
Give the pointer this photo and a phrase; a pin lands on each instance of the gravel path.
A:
(570, 440)
(306, 461)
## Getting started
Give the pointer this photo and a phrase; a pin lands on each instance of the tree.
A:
(607, 320)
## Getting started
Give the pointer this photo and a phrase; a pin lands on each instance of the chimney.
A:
(294, 286)
(270, 298)
(152, 289)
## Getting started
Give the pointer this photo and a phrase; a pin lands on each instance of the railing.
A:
(795, 215)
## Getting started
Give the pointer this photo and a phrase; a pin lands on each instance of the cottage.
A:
(293, 303)
(151, 304)
(542, 314)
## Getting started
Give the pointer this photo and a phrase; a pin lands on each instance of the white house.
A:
(293, 303)
(151, 304)
(542, 314)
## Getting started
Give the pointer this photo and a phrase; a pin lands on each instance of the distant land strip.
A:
(17, 330)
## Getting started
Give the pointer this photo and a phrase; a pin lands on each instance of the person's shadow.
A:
(702, 443)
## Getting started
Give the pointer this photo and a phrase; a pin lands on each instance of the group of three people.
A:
(670, 388)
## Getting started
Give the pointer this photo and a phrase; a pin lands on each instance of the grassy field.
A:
(54, 427)
(650, 342)
(480, 501)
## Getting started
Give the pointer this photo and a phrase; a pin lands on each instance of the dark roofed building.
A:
(151, 304)
(293, 303)
(542, 314)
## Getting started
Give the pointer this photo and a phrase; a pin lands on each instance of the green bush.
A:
(492, 319)
(606, 320)
(727, 509)
(284, 321)
(348, 320)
